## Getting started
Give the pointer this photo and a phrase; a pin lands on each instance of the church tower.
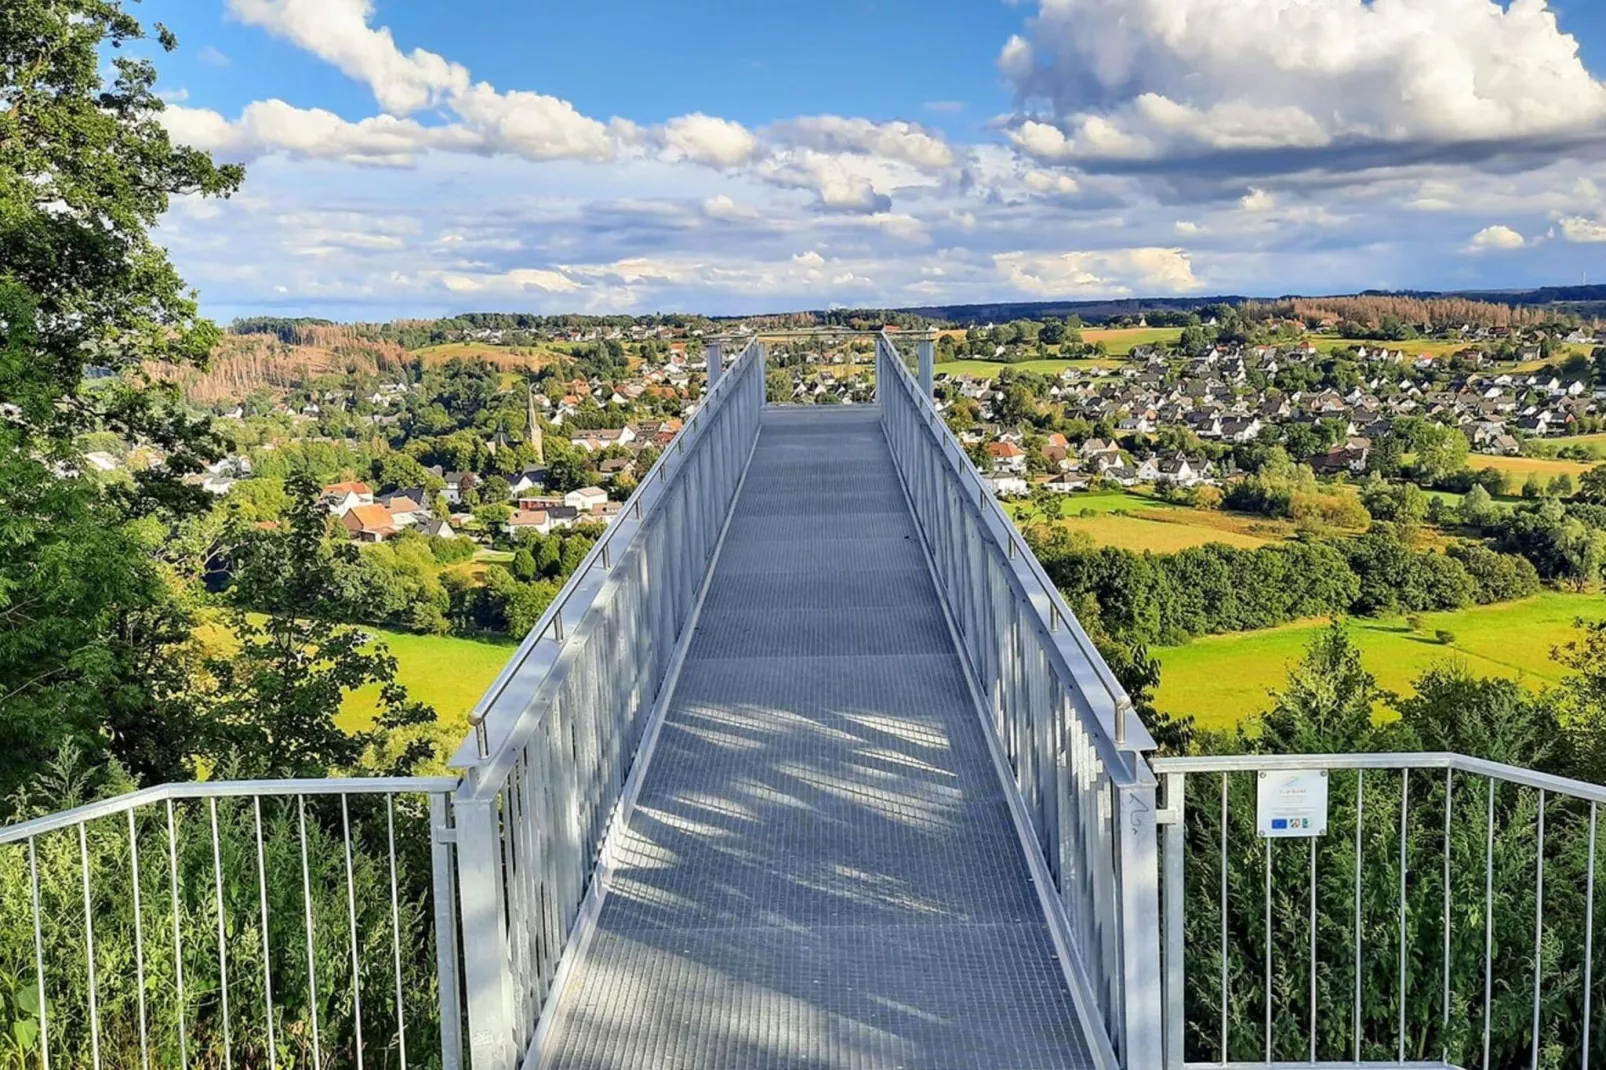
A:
(533, 432)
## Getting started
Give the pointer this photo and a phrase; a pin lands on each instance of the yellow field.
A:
(990, 369)
(1166, 531)
(1121, 341)
(1526, 466)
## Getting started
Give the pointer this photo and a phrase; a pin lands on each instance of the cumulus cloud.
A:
(338, 32)
(308, 133)
(1495, 237)
(1106, 272)
(1160, 79)
(706, 140)
(907, 142)
(1583, 231)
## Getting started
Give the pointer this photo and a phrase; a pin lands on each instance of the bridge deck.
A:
(821, 871)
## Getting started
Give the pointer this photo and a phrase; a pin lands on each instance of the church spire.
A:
(533, 432)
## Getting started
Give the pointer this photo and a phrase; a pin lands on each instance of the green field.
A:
(1224, 679)
(448, 673)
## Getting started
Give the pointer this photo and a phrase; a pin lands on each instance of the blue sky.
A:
(411, 157)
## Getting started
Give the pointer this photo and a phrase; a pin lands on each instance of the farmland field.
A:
(989, 369)
(1122, 340)
(1224, 679)
(1523, 467)
(1155, 525)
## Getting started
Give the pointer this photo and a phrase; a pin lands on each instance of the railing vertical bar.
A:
(1539, 924)
(267, 959)
(1313, 949)
(178, 938)
(1360, 815)
(222, 948)
(89, 947)
(351, 914)
(139, 939)
(1267, 843)
(1589, 932)
(446, 957)
(1488, 921)
(1224, 1006)
(1444, 1024)
(312, 967)
(39, 955)
(395, 929)
(1405, 808)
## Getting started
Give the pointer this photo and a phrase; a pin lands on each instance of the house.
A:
(600, 439)
(586, 499)
(1006, 457)
(1343, 459)
(457, 483)
(404, 511)
(527, 480)
(529, 520)
(368, 523)
(1007, 486)
(437, 529)
(342, 498)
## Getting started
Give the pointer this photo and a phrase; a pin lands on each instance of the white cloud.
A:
(337, 31)
(1106, 272)
(1148, 78)
(212, 57)
(1257, 200)
(901, 141)
(531, 125)
(1495, 237)
(724, 207)
(706, 140)
(1583, 231)
(1050, 182)
(272, 126)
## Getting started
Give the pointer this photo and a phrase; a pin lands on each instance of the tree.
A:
(278, 696)
(1592, 486)
(1476, 508)
(1327, 702)
(91, 631)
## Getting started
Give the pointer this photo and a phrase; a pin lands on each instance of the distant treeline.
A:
(1211, 589)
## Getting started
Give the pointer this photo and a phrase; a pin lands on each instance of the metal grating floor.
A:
(821, 870)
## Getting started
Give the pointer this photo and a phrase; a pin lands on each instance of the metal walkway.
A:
(821, 870)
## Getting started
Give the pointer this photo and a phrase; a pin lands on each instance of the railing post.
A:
(928, 362)
(1138, 907)
(716, 365)
(1175, 844)
(486, 984)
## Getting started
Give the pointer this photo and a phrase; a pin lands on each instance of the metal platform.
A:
(821, 870)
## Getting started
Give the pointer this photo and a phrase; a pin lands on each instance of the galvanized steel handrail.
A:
(634, 512)
(109, 1024)
(557, 736)
(1175, 771)
(1085, 796)
(226, 789)
(1123, 716)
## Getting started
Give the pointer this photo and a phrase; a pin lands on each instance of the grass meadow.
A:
(1224, 679)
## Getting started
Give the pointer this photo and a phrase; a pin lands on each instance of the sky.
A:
(413, 158)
